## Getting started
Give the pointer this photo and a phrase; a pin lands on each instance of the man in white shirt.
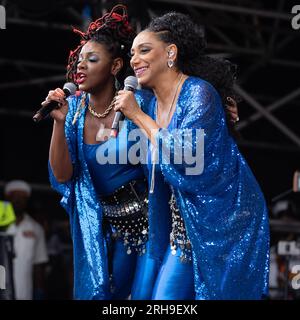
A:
(29, 244)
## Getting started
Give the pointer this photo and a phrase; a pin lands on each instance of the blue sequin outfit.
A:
(223, 208)
(81, 200)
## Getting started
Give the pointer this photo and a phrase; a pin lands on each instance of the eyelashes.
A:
(144, 50)
(90, 59)
(141, 51)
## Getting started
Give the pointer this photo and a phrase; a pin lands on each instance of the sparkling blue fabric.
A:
(223, 208)
(80, 199)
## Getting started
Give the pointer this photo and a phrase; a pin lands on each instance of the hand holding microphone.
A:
(56, 99)
(130, 84)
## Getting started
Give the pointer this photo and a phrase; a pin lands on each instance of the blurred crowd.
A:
(36, 252)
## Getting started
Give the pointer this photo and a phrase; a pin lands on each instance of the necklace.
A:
(105, 113)
(173, 100)
(154, 153)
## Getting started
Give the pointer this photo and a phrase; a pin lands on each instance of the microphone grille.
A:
(71, 87)
(131, 81)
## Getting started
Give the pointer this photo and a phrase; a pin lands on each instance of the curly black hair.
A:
(177, 28)
(114, 31)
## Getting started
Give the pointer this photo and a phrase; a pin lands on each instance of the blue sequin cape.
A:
(223, 208)
(79, 198)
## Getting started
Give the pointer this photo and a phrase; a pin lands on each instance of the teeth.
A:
(140, 69)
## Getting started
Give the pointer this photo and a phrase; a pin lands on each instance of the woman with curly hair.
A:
(219, 233)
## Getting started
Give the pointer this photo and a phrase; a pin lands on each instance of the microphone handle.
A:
(44, 111)
(119, 116)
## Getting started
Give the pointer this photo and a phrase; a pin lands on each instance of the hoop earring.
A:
(170, 63)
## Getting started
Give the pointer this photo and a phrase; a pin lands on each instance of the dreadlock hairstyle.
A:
(114, 31)
(177, 28)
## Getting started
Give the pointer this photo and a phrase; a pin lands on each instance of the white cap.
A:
(17, 185)
(279, 206)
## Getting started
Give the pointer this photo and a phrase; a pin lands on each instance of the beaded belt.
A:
(126, 210)
(178, 236)
(131, 190)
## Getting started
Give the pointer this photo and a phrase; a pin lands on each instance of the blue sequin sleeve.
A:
(223, 208)
(66, 188)
(189, 152)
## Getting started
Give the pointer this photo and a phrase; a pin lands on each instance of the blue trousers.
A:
(123, 271)
(146, 278)
(169, 280)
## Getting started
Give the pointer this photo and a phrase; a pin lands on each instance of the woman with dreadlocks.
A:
(107, 204)
(219, 237)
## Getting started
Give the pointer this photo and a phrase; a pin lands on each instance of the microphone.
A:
(69, 89)
(130, 84)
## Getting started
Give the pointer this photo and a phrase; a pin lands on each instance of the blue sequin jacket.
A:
(79, 198)
(223, 208)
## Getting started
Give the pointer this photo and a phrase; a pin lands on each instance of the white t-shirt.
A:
(30, 249)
